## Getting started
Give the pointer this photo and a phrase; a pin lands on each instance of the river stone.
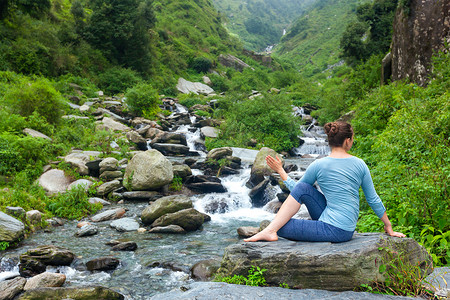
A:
(54, 181)
(210, 132)
(111, 214)
(109, 164)
(34, 216)
(108, 187)
(78, 161)
(83, 223)
(439, 282)
(46, 279)
(190, 219)
(11, 229)
(222, 290)
(31, 268)
(136, 138)
(110, 175)
(148, 170)
(168, 229)
(330, 266)
(111, 125)
(102, 264)
(187, 87)
(10, 288)
(141, 196)
(170, 138)
(125, 246)
(204, 270)
(165, 205)
(80, 182)
(16, 212)
(49, 255)
(125, 224)
(87, 230)
(247, 231)
(219, 153)
(152, 133)
(207, 187)
(260, 167)
(95, 200)
(35, 133)
(171, 149)
(73, 293)
(182, 171)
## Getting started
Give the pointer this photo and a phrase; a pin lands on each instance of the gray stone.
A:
(46, 279)
(171, 149)
(108, 187)
(190, 219)
(49, 255)
(170, 138)
(111, 125)
(168, 229)
(74, 117)
(87, 230)
(112, 115)
(221, 290)
(187, 87)
(233, 62)
(219, 153)
(260, 167)
(78, 161)
(125, 246)
(210, 132)
(330, 266)
(34, 216)
(110, 175)
(11, 229)
(439, 281)
(125, 224)
(74, 293)
(10, 288)
(80, 182)
(35, 133)
(182, 171)
(206, 80)
(247, 231)
(17, 212)
(151, 133)
(54, 181)
(102, 264)
(95, 200)
(111, 214)
(204, 270)
(141, 196)
(136, 138)
(165, 205)
(148, 170)
(84, 108)
(109, 164)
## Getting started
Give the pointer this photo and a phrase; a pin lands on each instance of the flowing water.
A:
(162, 261)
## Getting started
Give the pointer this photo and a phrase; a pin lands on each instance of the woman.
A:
(335, 212)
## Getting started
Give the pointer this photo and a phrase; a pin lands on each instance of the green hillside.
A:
(260, 23)
(312, 43)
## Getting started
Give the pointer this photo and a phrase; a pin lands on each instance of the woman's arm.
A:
(276, 165)
(388, 227)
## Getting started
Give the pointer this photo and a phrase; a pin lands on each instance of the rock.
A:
(31, 268)
(233, 62)
(11, 229)
(94, 167)
(189, 219)
(55, 222)
(273, 206)
(210, 132)
(171, 149)
(168, 229)
(54, 181)
(136, 138)
(307, 119)
(111, 125)
(108, 187)
(305, 265)
(187, 87)
(204, 270)
(206, 80)
(110, 175)
(46, 279)
(141, 196)
(165, 205)
(78, 161)
(49, 255)
(34, 216)
(111, 214)
(247, 231)
(16, 212)
(102, 264)
(142, 230)
(74, 293)
(83, 223)
(126, 246)
(37, 134)
(84, 108)
(217, 206)
(152, 133)
(260, 167)
(219, 153)
(170, 138)
(275, 91)
(205, 184)
(148, 170)
(10, 288)
(125, 224)
(263, 224)
(95, 200)
(182, 171)
(222, 290)
(438, 282)
(109, 164)
(87, 230)
(80, 182)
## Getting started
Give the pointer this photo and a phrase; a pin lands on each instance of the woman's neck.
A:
(339, 152)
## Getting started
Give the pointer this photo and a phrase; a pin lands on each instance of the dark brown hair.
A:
(337, 132)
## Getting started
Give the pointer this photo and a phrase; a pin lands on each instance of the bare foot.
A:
(264, 235)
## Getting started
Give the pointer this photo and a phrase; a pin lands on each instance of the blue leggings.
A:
(312, 230)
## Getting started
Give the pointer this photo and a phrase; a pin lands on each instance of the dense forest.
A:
(51, 49)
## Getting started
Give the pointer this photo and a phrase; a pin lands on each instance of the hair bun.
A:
(331, 128)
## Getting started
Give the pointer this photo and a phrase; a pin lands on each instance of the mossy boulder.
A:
(165, 205)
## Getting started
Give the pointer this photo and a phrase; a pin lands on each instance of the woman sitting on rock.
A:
(335, 212)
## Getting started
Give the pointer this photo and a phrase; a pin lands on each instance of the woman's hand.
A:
(274, 163)
(390, 232)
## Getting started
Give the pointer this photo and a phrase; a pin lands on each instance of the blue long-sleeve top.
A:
(340, 179)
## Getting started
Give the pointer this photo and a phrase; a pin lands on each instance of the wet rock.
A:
(219, 153)
(247, 231)
(141, 196)
(257, 193)
(95, 200)
(87, 230)
(152, 133)
(263, 224)
(126, 246)
(204, 270)
(217, 206)
(189, 219)
(344, 265)
(11, 229)
(108, 187)
(125, 224)
(31, 268)
(182, 171)
(46, 279)
(165, 205)
(260, 167)
(36, 134)
(10, 288)
(169, 138)
(108, 164)
(34, 216)
(136, 138)
(78, 161)
(205, 184)
(49, 255)
(111, 214)
(102, 264)
(228, 171)
(80, 182)
(75, 293)
(148, 170)
(171, 149)
(110, 175)
(168, 229)
(54, 181)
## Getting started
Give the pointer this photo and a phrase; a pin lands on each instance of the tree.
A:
(35, 8)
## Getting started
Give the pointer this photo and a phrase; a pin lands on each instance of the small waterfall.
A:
(191, 138)
(180, 108)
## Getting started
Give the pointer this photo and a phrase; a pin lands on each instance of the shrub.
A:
(143, 99)
(201, 64)
(190, 100)
(255, 277)
(117, 80)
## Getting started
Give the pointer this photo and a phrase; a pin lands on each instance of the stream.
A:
(140, 275)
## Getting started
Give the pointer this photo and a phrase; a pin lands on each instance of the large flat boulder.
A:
(165, 205)
(49, 255)
(260, 167)
(189, 219)
(328, 266)
(187, 87)
(74, 293)
(11, 229)
(54, 181)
